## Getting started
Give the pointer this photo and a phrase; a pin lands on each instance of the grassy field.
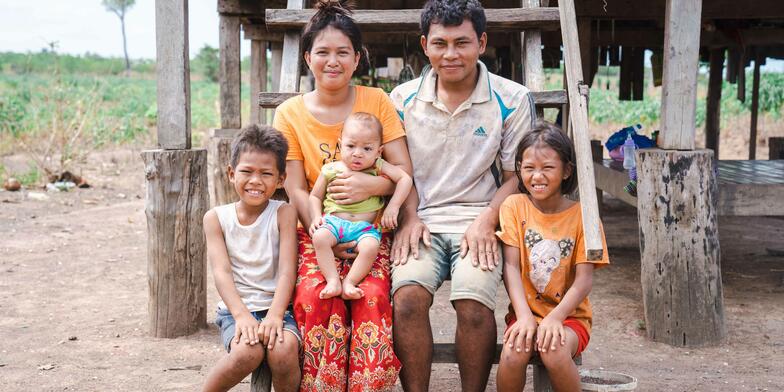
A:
(61, 107)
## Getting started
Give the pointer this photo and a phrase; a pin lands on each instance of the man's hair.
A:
(545, 134)
(453, 13)
(261, 138)
(368, 120)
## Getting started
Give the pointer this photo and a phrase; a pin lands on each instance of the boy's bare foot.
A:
(350, 291)
(332, 289)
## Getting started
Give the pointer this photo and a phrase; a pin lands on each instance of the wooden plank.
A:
(578, 102)
(584, 32)
(276, 58)
(612, 180)
(230, 83)
(258, 79)
(754, 109)
(543, 99)
(680, 265)
(679, 90)
(407, 20)
(532, 53)
(742, 76)
(713, 101)
(261, 379)
(625, 78)
(751, 199)
(176, 202)
(259, 32)
(775, 148)
(654, 10)
(292, 57)
(173, 74)
(638, 74)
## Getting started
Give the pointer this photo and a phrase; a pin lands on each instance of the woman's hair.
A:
(335, 14)
(545, 134)
(453, 13)
(260, 138)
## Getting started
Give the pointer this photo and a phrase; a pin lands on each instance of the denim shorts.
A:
(225, 322)
(442, 259)
(347, 231)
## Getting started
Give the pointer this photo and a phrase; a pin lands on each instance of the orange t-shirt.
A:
(316, 143)
(551, 246)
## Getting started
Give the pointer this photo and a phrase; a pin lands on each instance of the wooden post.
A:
(176, 203)
(276, 51)
(219, 157)
(292, 58)
(679, 240)
(742, 77)
(597, 153)
(775, 148)
(230, 83)
(173, 74)
(584, 36)
(679, 91)
(754, 109)
(531, 40)
(638, 73)
(713, 102)
(625, 79)
(261, 379)
(258, 80)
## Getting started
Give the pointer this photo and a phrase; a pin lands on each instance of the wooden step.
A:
(498, 19)
(542, 99)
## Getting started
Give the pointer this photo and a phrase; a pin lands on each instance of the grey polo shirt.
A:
(455, 154)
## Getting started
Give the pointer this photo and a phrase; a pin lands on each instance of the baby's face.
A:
(360, 146)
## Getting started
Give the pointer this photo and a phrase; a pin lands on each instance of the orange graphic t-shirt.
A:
(551, 246)
(316, 143)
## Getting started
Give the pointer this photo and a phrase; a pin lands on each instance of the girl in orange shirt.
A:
(546, 272)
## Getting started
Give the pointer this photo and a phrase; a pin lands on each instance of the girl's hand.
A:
(245, 329)
(550, 334)
(317, 222)
(521, 334)
(271, 329)
(389, 219)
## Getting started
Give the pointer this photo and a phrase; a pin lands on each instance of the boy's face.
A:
(453, 50)
(256, 177)
(360, 145)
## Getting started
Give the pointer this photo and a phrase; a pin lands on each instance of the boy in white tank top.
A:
(252, 245)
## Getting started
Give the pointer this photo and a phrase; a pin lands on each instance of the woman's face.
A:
(332, 59)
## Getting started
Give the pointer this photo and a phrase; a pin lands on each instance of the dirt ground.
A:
(73, 299)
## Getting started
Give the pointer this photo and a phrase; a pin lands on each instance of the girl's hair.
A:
(335, 14)
(545, 134)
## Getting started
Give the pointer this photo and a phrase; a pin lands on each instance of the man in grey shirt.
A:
(460, 121)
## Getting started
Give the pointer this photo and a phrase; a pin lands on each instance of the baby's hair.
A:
(368, 120)
(261, 138)
(335, 14)
(545, 134)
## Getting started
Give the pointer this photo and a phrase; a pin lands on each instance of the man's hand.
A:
(480, 243)
(407, 237)
(350, 187)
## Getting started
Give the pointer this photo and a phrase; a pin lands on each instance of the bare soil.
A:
(73, 299)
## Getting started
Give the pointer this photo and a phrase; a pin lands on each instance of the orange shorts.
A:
(571, 323)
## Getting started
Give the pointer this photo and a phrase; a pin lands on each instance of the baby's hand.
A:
(318, 222)
(550, 334)
(271, 329)
(521, 334)
(389, 219)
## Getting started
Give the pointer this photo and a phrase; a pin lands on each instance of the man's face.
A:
(453, 50)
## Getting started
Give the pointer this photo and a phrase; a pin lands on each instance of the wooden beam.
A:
(578, 102)
(532, 53)
(648, 10)
(276, 58)
(258, 79)
(713, 101)
(292, 56)
(259, 32)
(173, 74)
(584, 31)
(543, 99)
(679, 91)
(625, 78)
(638, 73)
(248, 8)
(754, 109)
(230, 83)
(407, 20)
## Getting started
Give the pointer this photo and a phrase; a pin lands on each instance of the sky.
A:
(81, 26)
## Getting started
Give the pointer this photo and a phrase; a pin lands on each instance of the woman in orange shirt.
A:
(336, 357)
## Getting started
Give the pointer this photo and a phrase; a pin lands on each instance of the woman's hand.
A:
(353, 187)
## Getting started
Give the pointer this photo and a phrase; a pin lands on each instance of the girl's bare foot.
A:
(350, 291)
(332, 289)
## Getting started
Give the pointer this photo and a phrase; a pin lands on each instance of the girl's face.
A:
(542, 171)
(332, 59)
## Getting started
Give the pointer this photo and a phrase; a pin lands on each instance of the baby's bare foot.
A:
(332, 289)
(350, 291)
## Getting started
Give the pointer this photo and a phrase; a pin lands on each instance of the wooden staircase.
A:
(529, 19)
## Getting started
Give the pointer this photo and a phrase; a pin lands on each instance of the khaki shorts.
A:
(442, 259)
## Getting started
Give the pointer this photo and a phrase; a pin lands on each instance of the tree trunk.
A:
(125, 47)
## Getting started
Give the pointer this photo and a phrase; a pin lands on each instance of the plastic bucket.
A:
(605, 381)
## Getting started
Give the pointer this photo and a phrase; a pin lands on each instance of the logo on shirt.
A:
(480, 132)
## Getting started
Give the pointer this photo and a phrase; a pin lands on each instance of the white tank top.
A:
(253, 253)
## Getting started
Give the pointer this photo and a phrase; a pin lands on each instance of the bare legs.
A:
(367, 248)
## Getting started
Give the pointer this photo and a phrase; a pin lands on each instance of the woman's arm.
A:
(296, 186)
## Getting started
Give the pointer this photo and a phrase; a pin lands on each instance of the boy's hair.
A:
(335, 14)
(453, 13)
(545, 134)
(369, 120)
(261, 138)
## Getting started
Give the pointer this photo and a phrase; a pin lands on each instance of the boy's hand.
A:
(521, 334)
(317, 222)
(271, 329)
(245, 329)
(549, 334)
(389, 219)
